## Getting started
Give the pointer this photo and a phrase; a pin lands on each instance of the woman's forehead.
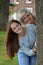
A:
(25, 15)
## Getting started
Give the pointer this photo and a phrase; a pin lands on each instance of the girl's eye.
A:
(17, 25)
(14, 28)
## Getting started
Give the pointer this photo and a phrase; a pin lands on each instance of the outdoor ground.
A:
(4, 60)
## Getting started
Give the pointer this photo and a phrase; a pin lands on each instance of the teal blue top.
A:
(27, 42)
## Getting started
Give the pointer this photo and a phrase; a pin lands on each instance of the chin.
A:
(19, 32)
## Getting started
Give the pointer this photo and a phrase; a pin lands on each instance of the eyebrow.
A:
(26, 16)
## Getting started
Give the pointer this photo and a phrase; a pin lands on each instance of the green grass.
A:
(4, 60)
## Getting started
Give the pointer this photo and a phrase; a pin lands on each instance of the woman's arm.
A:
(35, 47)
(27, 51)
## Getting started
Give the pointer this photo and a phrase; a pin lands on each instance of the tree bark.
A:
(39, 17)
(4, 11)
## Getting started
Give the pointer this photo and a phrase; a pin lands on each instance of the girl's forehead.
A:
(13, 24)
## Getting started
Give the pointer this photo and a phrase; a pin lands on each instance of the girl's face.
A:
(28, 18)
(16, 27)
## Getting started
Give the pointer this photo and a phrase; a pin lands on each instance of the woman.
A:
(27, 54)
(18, 41)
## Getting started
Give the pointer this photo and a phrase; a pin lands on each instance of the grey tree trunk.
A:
(39, 16)
(4, 11)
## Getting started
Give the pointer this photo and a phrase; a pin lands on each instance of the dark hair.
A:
(12, 44)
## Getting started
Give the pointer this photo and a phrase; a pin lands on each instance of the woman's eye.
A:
(30, 18)
(28, 15)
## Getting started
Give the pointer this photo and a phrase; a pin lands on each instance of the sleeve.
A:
(31, 34)
(27, 51)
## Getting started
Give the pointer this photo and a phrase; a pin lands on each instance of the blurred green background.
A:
(4, 60)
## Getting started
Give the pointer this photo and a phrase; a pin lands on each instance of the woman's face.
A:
(16, 27)
(28, 18)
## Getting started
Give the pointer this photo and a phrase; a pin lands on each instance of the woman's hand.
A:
(34, 49)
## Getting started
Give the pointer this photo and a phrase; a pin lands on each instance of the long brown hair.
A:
(12, 44)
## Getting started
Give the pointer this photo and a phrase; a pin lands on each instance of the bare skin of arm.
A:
(35, 48)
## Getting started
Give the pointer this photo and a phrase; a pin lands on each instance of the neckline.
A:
(24, 35)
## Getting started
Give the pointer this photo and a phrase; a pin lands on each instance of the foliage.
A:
(4, 13)
(11, 8)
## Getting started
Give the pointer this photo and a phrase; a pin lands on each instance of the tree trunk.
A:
(39, 16)
(4, 11)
